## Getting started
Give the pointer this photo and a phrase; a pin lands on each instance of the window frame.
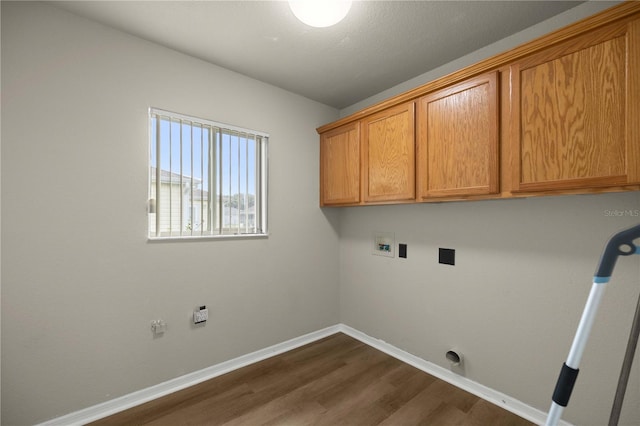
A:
(261, 172)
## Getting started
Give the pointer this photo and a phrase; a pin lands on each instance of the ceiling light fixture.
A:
(320, 13)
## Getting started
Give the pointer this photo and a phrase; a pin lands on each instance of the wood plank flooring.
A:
(334, 381)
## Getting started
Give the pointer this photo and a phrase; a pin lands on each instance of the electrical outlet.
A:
(201, 315)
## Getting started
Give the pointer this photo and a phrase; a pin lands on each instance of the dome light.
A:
(320, 13)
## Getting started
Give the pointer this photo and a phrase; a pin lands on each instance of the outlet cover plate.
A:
(201, 315)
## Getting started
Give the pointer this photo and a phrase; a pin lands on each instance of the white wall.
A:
(513, 301)
(80, 282)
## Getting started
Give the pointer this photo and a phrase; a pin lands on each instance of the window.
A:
(206, 179)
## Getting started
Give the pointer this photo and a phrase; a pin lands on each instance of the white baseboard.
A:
(504, 401)
(133, 399)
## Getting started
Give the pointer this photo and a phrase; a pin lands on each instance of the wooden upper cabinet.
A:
(576, 112)
(458, 139)
(388, 161)
(340, 166)
(557, 115)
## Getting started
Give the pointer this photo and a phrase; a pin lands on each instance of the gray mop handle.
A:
(621, 244)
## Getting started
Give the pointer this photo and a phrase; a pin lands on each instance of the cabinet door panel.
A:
(458, 140)
(340, 166)
(389, 155)
(574, 114)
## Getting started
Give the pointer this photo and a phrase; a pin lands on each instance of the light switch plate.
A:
(384, 244)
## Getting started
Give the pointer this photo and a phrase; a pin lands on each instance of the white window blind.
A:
(206, 179)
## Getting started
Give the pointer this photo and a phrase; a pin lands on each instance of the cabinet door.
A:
(340, 166)
(458, 139)
(388, 146)
(576, 113)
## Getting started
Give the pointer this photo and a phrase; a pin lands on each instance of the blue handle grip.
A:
(621, 244)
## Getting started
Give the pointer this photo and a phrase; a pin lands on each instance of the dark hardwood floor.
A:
(334, 381)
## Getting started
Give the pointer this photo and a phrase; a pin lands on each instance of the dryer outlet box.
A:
(447, 256)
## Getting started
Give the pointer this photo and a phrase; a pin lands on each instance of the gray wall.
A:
(80, 282)
(513, 301)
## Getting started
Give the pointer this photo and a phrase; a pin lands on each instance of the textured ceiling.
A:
(378, 45)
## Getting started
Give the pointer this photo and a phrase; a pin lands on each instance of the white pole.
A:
(566, 381)
(586, 323)
(621, 244)
(555, 412)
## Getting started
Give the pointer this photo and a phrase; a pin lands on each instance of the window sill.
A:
(188, 238)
